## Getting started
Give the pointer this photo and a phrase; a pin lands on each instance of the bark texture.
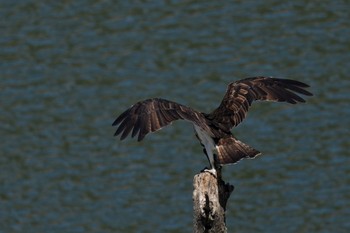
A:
(210, 196)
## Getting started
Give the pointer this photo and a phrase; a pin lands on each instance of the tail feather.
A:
(230, 150)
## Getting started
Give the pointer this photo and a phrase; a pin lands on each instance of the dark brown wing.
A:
(153, 114)
(240, 95)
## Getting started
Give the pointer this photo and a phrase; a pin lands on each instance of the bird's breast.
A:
(205, 139)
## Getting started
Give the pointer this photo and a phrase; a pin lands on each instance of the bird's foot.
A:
(211, 171)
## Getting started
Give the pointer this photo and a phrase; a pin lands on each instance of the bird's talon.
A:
(211, 171)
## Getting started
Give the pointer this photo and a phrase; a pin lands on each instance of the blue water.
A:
(68, 68)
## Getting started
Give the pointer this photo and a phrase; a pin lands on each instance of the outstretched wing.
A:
(153, 114)
(240, 95)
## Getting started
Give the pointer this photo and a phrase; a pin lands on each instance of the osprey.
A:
(213, 130)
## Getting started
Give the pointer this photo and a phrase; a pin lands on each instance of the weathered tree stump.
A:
(210, 196)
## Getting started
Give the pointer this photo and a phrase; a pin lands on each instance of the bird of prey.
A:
(213, 130)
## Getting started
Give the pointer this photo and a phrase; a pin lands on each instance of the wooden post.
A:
(210, 196)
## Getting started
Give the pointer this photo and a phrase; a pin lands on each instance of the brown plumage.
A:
(153, 114)
(213, 129)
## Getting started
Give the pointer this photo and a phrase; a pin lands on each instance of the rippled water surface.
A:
(68, 68)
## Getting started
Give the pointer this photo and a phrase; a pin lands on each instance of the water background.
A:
(68, 68)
